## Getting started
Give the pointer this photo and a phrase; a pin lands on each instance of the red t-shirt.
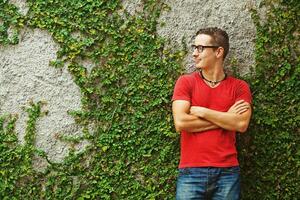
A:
(212, 148)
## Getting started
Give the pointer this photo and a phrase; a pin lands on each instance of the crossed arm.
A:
(198, 119)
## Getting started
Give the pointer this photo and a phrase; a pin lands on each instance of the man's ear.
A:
(220, 52)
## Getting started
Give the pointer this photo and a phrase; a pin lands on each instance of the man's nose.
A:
(195, 53)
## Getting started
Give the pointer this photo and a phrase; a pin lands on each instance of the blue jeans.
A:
(208, 183)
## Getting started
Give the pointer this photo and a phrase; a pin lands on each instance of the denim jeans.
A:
(208, 183)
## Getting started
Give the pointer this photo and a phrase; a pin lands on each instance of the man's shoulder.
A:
(237, 81)
(189, 76)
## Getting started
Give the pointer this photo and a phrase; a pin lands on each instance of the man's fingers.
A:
(239, 102)
(244, 105)
(239, 107)
(242, 110)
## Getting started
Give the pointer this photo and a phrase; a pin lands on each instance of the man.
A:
(209, 107)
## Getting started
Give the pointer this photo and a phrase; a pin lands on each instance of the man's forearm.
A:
(192, 123)
(185, 121)
(225, 120)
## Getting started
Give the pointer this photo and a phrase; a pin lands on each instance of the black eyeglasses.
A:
(200, 48)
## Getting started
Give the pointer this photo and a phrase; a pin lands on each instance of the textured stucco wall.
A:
(25, 73)
(187, 16)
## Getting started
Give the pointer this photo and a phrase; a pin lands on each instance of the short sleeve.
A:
(182, 89)
(243, 92)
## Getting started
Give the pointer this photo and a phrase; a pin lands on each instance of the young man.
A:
(209, 107)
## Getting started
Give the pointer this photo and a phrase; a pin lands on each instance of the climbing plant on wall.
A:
(133, 148)
(271, 149)
(10, 23)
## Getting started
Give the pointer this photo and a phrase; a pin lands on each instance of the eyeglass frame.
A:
(200, 48)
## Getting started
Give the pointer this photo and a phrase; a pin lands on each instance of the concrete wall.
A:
(187, 16)
(25, 73)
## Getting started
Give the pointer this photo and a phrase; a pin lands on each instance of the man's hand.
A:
(239, 107)
(235, 119)
(185, 121)
(197, 110)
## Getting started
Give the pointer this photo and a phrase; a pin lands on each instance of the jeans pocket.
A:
(184, 171)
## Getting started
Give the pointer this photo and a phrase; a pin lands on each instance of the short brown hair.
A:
(219, 37)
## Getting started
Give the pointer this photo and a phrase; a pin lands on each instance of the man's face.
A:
(206, 57)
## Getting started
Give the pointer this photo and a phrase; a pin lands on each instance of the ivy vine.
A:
(270, 152)
(133, 149)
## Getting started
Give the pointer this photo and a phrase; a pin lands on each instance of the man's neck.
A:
(215, 73)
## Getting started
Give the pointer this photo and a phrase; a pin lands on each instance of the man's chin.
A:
(198, 66)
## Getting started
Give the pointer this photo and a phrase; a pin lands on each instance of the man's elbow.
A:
(242, 127)
(179, 125)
